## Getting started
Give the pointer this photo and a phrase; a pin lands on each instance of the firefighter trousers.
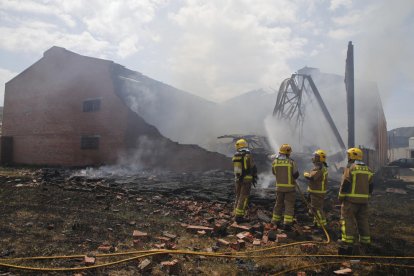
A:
(284, 201)
(354, 220)
(317, 201)
(242, 197)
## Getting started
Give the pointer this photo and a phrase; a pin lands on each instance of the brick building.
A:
(68, 110)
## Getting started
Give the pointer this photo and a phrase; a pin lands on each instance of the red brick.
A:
(301, 273)
(241, 227)
(105, 248)
(223, 242)
(281, 237)
(139, 235)
(89, 260)
(195, 228)
(256, 242)
(173, 267)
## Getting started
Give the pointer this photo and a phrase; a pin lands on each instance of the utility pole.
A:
(349, 86)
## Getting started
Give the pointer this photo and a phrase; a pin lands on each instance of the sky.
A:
(218, 49)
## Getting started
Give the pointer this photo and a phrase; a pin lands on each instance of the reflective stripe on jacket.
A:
(283, 170)
(360, 178)
(319, 180)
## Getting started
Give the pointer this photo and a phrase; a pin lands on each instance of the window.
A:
(91, 105)
(90, 142)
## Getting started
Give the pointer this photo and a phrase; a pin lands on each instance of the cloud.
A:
(335, 4)
(116, 27)
(5, 76)
(226, 48)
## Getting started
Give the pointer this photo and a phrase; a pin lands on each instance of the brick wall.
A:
(43, 111)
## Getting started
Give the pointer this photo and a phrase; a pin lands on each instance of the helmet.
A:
(241, 143)
(354, 154)
(285, 149)
(319, 156)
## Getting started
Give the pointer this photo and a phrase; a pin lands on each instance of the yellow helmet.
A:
(354, 154)
(319, 156)
(241, 143)
(285, 149)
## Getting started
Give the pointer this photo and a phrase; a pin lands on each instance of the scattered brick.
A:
(169, 235)
(159, 245)
(89, 260)
(105, 248)
(281, 237)
(201, 232)
(301, 273)
(343, 271)
(173, 267)
(241, 227)
(145, 265)
(163, 239)
(139, 235)
(265, 239)
(195, 228)
(257, 242)
(223, 242)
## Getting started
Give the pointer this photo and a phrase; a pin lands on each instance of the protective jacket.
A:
(285, 172)
(356, 185)
(318, 179)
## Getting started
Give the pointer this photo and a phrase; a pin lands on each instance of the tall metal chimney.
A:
(349, 86)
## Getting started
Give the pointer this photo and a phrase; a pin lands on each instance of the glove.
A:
(306, 174)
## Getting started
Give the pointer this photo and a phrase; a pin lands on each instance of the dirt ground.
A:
(54, 212)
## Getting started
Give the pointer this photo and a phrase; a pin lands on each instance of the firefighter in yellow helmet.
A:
(354, 192)
(285, 171)
(245, 173)
(318, 180)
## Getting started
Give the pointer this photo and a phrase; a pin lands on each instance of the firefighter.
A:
(354, 192)
(245, 174)
(285, 171)
(318, 180)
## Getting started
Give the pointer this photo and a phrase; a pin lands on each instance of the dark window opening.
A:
(90, 142)
(412, 154)
(91, 105)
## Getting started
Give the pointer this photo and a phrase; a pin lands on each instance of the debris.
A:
(139, 235)
(241, 227)
(343, 271)
(89, 260)
(257, 242)
(195, 228)
(281, 237)
(173, 267)
(145, 265)
(169, 235)
(105, 248)
(223, 242)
